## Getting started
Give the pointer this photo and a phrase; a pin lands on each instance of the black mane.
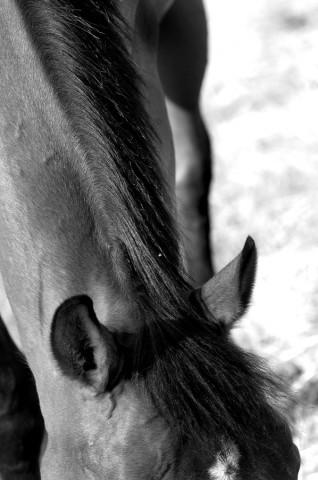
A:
(201, 383)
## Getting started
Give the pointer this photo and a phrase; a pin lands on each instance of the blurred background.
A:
(260, 103)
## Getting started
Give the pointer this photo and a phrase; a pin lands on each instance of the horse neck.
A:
(56, 247)
(49, 251)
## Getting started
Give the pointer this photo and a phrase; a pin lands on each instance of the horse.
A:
(21, 423)
(135, 369)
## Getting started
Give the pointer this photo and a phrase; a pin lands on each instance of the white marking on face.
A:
(226, 465)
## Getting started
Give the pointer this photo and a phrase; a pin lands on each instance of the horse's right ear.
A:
(226, 296)
(84, 349)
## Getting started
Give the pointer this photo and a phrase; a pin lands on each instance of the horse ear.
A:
(82, 346)
(226, 295)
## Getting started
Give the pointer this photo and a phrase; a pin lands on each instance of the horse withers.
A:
(136, 374)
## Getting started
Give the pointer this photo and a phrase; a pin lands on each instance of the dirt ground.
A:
(260, 102)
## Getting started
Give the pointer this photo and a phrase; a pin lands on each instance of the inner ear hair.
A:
(84, 349)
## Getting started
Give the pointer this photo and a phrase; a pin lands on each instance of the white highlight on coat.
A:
(227, 465)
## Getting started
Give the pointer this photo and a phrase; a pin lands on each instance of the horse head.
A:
(119, 421)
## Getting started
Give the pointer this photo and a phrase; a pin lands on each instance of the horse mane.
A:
(202, 384)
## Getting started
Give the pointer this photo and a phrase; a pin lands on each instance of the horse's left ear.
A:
(226, 295)
(84, 349)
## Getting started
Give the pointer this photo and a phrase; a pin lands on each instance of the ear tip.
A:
(247, 272)
(249, 244)
(249, 252)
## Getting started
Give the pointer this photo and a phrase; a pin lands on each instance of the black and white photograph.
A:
(158, 240)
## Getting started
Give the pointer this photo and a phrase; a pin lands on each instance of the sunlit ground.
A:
(260, 102)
